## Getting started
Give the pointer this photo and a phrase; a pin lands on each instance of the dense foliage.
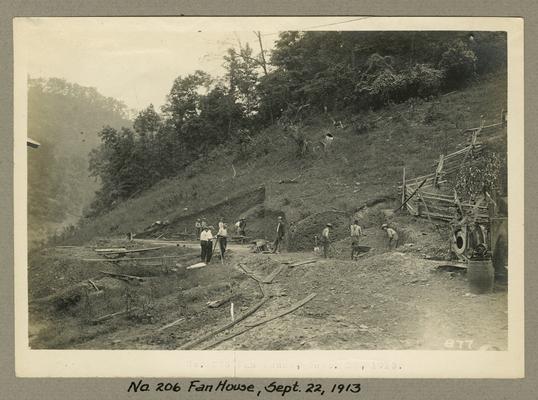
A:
(311, 72)
(63, 116)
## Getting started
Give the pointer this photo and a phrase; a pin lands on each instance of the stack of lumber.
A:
(423, 195)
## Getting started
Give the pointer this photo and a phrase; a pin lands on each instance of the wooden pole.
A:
(428, 214)
(403, 186)
(412, 194)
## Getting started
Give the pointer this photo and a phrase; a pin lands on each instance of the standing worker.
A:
(326, 239)
(356, 233)
(221, 222)
(206, 244)
(222, 236)
(242, 226)
(198, 227)
(392, 235)
(280, 232)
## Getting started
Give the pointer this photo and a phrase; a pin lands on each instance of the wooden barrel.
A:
(480, 275)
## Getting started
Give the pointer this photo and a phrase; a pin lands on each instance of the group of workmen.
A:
(205, 233)
(355, 232)
(208, 242)
(208, 245)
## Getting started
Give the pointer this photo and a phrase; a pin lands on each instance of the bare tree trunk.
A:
(264, 66)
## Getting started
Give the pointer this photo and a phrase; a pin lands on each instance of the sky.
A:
(135, 60)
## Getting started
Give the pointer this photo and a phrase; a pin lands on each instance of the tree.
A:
(183, 99)
(242, 77)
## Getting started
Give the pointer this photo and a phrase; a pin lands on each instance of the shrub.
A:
(459, 64)
(479, 174)
(423, 80)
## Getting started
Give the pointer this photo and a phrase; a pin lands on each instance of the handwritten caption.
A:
(197, 386)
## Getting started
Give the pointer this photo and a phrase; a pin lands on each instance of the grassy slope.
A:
(359, 167)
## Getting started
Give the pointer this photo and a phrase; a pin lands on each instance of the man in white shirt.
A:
(280, 232)
(326, 239)
(356, 233)
(206, 244)
(222, 236)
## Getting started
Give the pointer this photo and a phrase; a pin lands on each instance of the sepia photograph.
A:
(287, 184)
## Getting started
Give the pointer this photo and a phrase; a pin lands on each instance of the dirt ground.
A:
(395, 299)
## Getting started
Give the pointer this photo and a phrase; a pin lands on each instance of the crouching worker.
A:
(392, 236)
(206, 244)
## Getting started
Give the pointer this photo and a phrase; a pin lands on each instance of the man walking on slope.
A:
(326, 239)
(356, 233)
(280, 232)
(206, 244)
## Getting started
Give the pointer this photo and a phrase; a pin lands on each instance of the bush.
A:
(420, 80)
(459, 64)
(423, 81)
(480, 173)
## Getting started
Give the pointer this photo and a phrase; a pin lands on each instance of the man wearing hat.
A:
(280, 231)
(326, 239)
(206, 244)
(391, 234)
(198, 227)
(242, 226)
(222, 237)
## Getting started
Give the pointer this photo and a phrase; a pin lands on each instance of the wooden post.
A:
(428, 213)
(438, 170)
(403, 186)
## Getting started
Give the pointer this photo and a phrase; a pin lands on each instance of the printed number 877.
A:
(459, 344)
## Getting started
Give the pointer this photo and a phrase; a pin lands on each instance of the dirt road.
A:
(383, 300)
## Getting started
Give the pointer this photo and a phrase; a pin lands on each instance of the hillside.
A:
(404, 298)
(363, 165)
(65, 118)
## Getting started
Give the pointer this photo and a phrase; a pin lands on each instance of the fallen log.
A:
(111, 250)
(269, 278)
(127, 259)
(209, 335)
(116, 314)
(123, 276)
(196, 266)
(218, 303)
(94, 285)
(262, 321)
(251, 276)
(171, 324)
(125, 251)
(303, 263)
(294, 180)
